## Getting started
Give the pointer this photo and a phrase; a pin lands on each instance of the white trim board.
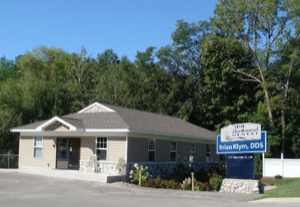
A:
(54, 119)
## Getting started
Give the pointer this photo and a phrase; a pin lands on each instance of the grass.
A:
(287, 187)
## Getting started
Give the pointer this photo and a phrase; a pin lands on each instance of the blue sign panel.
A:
(240, 166)
(242, 146)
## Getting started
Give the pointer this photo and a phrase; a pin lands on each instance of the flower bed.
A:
(203, 180)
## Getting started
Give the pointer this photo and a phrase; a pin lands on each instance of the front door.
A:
(68, 153)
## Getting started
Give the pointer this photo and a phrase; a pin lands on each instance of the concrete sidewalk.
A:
(278, 200)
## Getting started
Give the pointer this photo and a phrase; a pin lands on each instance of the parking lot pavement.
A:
(22, 190)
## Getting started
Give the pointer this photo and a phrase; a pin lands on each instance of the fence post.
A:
(263, 165)
(282, 164)
(193, 181)
(8, 164)
(140, 177)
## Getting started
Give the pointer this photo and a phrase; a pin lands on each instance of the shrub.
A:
(202, 175)
(162, 183)
(215, 182)
(136, 172)
(278, 177)
(181, 172)
(121, 166)
(187, 185)
(199, 186)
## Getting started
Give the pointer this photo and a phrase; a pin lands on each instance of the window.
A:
(101, 148)
(192, 153)
(38, 147)
(151, 150)
(62, 148)
(173, 151)
(208, 152)
(193, 149)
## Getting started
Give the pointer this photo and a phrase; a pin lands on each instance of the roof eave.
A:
(170, 136)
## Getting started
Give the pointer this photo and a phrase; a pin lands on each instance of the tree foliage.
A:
(242, 65)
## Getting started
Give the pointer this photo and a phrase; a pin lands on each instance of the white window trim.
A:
(38, 147)
(101, 148)
(152, 150)
(173, 151)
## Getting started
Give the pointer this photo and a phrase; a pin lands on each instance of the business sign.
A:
(242, 138)
(240, 132)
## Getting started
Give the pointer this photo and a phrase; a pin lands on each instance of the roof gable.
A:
(56, 120)
(95, 108)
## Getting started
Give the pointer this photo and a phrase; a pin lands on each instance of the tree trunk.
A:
(282, 130)
(283, 107)
(268, 103)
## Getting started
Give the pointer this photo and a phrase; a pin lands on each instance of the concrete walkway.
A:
(278, 200)
(66, 174)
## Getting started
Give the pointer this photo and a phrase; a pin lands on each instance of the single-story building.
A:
(106, 139)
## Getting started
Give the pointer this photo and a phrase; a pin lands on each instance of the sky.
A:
(126, 26)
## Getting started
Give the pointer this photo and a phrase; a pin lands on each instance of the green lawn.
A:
(288, 187)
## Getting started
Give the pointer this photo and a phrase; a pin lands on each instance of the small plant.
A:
(162, 183)
(215, 182)
(186, 184)
(202, 175)
(199, 186)
(278, 177)
(181, 172)
(139, 174)
(121, 166)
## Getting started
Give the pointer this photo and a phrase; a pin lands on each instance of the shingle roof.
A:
(101, 120)
(135, 120)
(146, 122)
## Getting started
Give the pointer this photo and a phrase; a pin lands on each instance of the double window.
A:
(101, 148)
(173, 151)
(151, 150)
(38, 147)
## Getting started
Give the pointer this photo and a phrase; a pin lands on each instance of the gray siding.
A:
(138, 150)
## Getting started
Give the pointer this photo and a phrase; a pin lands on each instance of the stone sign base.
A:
(239, 186)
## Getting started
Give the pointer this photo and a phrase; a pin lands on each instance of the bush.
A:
(202, 175)
(187, 185)
(199, 186)
(215, 182)
(135, 173)
(162, 183)
(181, 172)
(278, 177)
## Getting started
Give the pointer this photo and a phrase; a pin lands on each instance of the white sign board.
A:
(241, 132)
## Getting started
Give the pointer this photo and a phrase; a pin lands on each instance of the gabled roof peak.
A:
(95, 108)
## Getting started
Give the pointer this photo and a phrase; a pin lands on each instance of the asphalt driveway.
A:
(17, 190)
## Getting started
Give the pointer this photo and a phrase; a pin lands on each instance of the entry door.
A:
(74, 153)
(68, 153)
